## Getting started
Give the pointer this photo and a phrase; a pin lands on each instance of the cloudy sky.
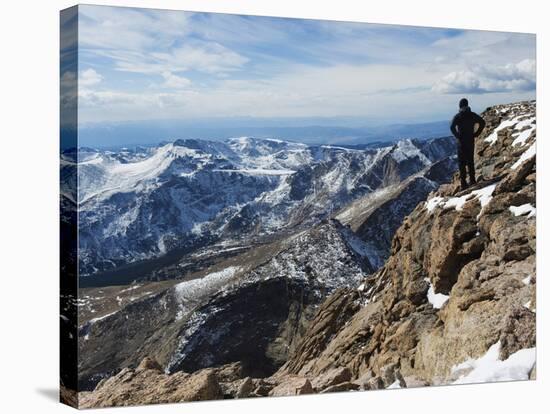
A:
(138, 64)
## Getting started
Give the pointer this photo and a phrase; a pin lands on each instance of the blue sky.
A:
(139, 64)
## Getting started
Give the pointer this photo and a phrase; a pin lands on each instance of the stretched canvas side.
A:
(68, 333)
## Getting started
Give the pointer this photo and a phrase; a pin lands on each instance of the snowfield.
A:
(195, 288)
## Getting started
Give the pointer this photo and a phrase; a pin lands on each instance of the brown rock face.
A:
(343, 386)
(460, 277)
(331, 378)
(292, 386)
(68, 396)
(149, 363)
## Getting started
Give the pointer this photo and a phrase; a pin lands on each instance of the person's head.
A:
(463, 103)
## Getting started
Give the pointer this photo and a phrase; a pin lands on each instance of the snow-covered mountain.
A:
(142, 204)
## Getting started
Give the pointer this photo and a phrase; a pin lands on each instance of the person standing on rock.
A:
(464, 129)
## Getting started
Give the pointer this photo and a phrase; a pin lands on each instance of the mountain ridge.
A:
(263, 186)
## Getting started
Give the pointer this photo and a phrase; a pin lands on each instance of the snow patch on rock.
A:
(524, 209)
(488, 368)
(493, 137)
(437, 300)
(529, 153)
(484, 195)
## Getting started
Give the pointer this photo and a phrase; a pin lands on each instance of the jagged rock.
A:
(100, 383)
(413, 382)
(148, 363)
(375, 383)
(263, 387)
(230, 372)
(363, 381)
(449, 233)
(333, 313)
(68, 396)
(343, 386)
(390, 374)
(331, 377)
(518, 331)
(246, 388)
(292, 386)
(514, 180)
(230, 377)
(202, 386)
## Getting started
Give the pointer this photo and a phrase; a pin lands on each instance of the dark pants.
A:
(466, 160)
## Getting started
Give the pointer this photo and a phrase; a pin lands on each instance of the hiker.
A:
(464, 129)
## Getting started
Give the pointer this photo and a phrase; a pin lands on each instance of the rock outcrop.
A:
(149, 385)
(459, 283)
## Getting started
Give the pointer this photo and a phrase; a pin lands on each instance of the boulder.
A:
(148, 363)
(343, 386)
(414, 382)
(245, 388)
(375, 383)
(150, 386)
(331, 377)
(263, 387)
(518, 331)
(201, 386)
(363, 380)
(292, 386)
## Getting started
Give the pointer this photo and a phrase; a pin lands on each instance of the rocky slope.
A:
(376, 217)
(252, 309)
(453, 303)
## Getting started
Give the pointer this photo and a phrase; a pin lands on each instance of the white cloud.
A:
(89, 77)
(300, 91)
(510, 77)
(151, 42)
(105, 98)
(458, 82)
(125, 28)
(520, 76)
(194, 55)
(174, 81)
(475, 47)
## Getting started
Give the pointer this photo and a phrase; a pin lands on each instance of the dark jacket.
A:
(463, 126)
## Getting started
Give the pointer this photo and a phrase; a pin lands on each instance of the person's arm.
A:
(453, 128)
(481, 122)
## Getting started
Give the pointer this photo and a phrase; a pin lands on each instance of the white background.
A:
(29, 204)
